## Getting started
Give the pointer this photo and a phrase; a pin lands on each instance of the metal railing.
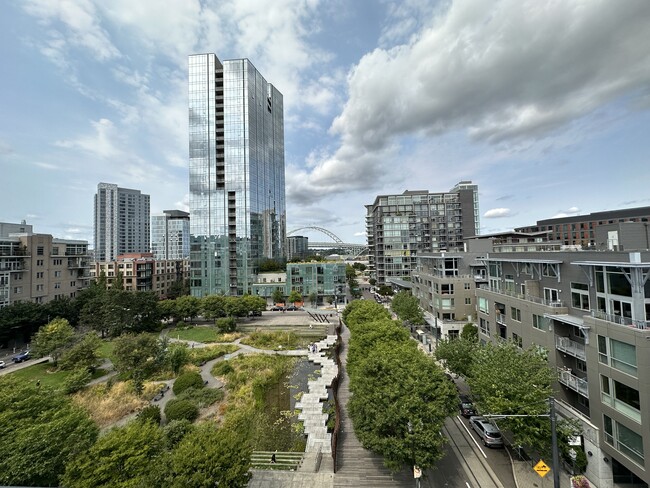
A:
(520, 296)
(617, 319)
(572, 381)
(576, 349)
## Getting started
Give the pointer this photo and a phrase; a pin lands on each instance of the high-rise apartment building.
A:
(170, 235)
(400, 227)
(121, 222)
(297, 247)
(236, 163)
(580, 230)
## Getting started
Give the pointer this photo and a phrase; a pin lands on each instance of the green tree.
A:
(294, 297)
(53, 338)
(458, 354)
(178, 356)
(235, 307)
(167, 309)
(278, 296)
(118, 282)
(123, 458)
(399, 404)
(83, 354)
(469, 332)
(385, 291)
(208, 457)
(313, 298)
(41, 431)
(178, 289)
(188, 307)
(361, 311)
(252, 303)
(507, 380)
(138, 356)
(213, 306)
(407, 308)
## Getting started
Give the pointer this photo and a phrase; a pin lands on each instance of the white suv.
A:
(487, 431)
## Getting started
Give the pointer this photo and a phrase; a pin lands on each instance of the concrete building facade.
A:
(122, 222)
(40, 268)
(401, 227)
(236, 168)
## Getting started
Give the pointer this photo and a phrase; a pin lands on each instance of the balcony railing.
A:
(568, 346)
(501, 318)
(530, 298)
(572, 381)
(617, 319)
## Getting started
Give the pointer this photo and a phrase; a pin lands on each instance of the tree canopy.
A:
(407, 308)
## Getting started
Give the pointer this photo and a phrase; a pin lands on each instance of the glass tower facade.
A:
(236, 162)
(170, 235)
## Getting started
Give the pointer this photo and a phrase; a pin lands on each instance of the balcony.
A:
(529, 298)
(501, 318)
(624, 321)
(565, 377)
(573, 348)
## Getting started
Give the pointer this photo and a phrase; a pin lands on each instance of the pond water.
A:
(281, 416)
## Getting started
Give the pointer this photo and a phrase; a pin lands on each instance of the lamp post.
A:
(554, 447)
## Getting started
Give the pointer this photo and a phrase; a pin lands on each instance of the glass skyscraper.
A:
(237, 187)
(170, 235)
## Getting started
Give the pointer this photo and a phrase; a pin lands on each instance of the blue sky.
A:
(544, 104)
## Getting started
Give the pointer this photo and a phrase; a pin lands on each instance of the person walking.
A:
(273, 458)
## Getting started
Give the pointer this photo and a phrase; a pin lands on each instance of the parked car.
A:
(2, 364)
(277, 309)
(292, 308)
(255, 313)
(466, 406)
(487, 431)
(23, 356)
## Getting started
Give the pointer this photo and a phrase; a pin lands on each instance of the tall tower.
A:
(236, 162)
(170, 235)
(121, 222)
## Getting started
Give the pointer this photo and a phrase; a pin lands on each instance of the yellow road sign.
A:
(541, 468)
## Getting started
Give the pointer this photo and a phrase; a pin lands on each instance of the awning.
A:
(568, 319)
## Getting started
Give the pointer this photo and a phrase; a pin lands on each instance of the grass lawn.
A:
(201, 334)
(276, 340)
(106, 349)
(54, 379)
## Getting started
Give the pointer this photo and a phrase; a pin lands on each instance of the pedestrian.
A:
(38, 382)
(273, 458)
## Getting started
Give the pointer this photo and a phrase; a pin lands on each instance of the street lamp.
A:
(554, 447)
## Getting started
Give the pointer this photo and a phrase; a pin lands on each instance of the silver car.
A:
(487, 431)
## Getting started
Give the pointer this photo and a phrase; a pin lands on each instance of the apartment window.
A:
(549, 270)
(483, 304)
(551, 295)
(18, 289)
(55, 251)
(39, 287)
(510, 283)
(539, 323)
(621, 397)
(484, 326)
(623, 439)
(580, 296)
(581, 365)
(73, 283)
(468, 301)
(517, 340)
(40, 250)
(619, 355)
(40, 275)
(468, 286)
(57, 285)
(515, 314)
(39, 262)
(57, 274)
(447, 289)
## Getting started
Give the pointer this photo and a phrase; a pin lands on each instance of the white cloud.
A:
(80, 20)
(498, 213)
(101, 143)
(510, 70)
(567, 213)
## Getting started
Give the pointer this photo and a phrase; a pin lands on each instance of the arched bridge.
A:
(350, 248)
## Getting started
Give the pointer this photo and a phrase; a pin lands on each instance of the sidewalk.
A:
(526, 477)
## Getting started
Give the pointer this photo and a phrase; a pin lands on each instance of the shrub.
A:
(226, 324)
(178, 356)
(200, 355)
(178, 409)
(76, 380)
(150, 413)
(190, 379)
(202, 397)
(222, 368)
(176, 430)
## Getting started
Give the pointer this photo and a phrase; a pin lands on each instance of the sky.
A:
(544, 104)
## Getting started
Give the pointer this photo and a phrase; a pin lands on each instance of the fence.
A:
(335, 393)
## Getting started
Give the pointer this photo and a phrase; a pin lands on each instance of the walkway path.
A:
(357, 466)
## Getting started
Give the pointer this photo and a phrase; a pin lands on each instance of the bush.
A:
(226, 324)
(191, 379)
(150, 413)
(176, 430)
(201, 355)
(202, 397)
(76, 380)
(222, 368)
(179, 409)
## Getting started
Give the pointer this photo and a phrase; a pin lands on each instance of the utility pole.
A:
(554, 447)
